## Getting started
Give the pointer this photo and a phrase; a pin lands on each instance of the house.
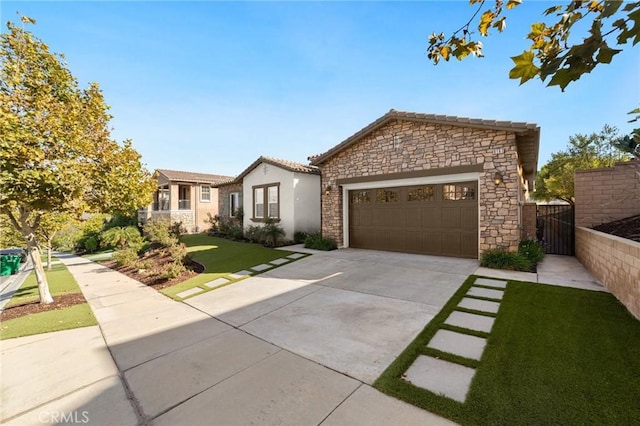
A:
(432, 184)
(284, 190)
(184, 197)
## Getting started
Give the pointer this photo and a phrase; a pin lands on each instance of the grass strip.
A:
(60, 282)
(220, 258)
(555, 355)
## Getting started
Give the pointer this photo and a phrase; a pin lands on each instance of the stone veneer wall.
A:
(615, 262)
(187, 217)
(432, 146)
(607, 194)
(224, 204)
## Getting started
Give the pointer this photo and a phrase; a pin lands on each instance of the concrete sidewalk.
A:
(176, 365)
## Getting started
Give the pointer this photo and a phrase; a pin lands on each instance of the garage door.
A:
(439, 219)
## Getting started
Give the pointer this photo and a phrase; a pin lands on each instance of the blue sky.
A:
(210, 86)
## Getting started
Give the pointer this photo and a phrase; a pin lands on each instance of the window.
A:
(235, 202)
(387, 196)
(424, 193)
(266, 201)
(205, 194)
(360, 197)
(458, 192)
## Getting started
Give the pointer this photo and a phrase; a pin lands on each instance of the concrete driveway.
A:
(351, 310)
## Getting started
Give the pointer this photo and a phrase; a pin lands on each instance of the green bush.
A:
(90, 244)
(254, 234)
(316, 242)
(272, 232)
(178, 252)
(120, 237)
(159, 231)
(531, 250)
(125, 257)
(501, 258)
(300, 236)
(173, 270)
(177, 229)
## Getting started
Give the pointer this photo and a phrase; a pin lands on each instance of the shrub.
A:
(177, 229)
(90, 244)
(300, 236)
(125, 257)
(531, 250)
(159, 231)
(174, 270)
(178, 252)
(316, 242)
(501, 258)
(254, 234)
(272, 232)
(120, 236)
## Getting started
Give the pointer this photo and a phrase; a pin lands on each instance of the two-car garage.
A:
(440, 219)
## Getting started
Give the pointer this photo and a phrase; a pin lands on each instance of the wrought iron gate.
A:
(556, 229)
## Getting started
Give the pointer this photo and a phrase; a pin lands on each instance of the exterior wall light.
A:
(327, 190)
(497, 178)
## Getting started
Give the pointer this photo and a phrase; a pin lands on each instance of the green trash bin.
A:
(5, 266)
(15, 264)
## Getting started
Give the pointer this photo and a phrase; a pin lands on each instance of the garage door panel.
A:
(429, 219)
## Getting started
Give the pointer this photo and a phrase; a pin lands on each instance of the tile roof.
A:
(177, 175)
(292, 166)
(527, 134)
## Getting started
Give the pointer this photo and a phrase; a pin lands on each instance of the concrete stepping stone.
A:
(471, 321)
(280, 261)
(441, 377)
(295, 256)
(217, 282)
(240, 274)
(480, 305)
(458, 344)
(261, 267)
(491, 283)
(189, 292)
(485, 292)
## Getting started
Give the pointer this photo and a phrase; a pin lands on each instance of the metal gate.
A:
(555, 229)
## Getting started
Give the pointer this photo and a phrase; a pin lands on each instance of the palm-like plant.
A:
(272, 232)
(120, 236)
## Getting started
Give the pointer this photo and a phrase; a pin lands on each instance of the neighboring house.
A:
(272, 188)
(184, 197)
(432, 184)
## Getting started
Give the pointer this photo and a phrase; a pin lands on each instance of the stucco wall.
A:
(615, 262)
(607, 194)
(430, 146)
(268, 174)
(306, 202)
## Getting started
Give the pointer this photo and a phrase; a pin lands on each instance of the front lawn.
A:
(220, 258)
(63, 315)
(555, 355)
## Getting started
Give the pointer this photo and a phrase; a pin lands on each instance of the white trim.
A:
(425, 180)
(202, 199)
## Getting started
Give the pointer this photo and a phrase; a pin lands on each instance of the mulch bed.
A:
(628, 228)
(158, 258)
(59, 302)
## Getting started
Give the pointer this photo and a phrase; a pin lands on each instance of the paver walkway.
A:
(448, 378)
(175, 365)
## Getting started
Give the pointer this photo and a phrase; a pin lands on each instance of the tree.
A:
(56, 153)
(50, 225)
(556, 178)
(551, 53)
(121, 236)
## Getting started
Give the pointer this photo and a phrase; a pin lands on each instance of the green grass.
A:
(60, 282)
(220, 257)
(45, 322)
(554, 356)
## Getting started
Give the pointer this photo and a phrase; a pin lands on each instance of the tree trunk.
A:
(48, 255)
(43, 286)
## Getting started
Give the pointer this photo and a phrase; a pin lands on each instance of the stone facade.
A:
(426, 146)
(615, 262)
(224, 202)
(607, 194)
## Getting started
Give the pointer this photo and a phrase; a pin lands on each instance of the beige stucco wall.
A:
(607, 194)
(306, 207)
(431, 146)
(615, 262)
